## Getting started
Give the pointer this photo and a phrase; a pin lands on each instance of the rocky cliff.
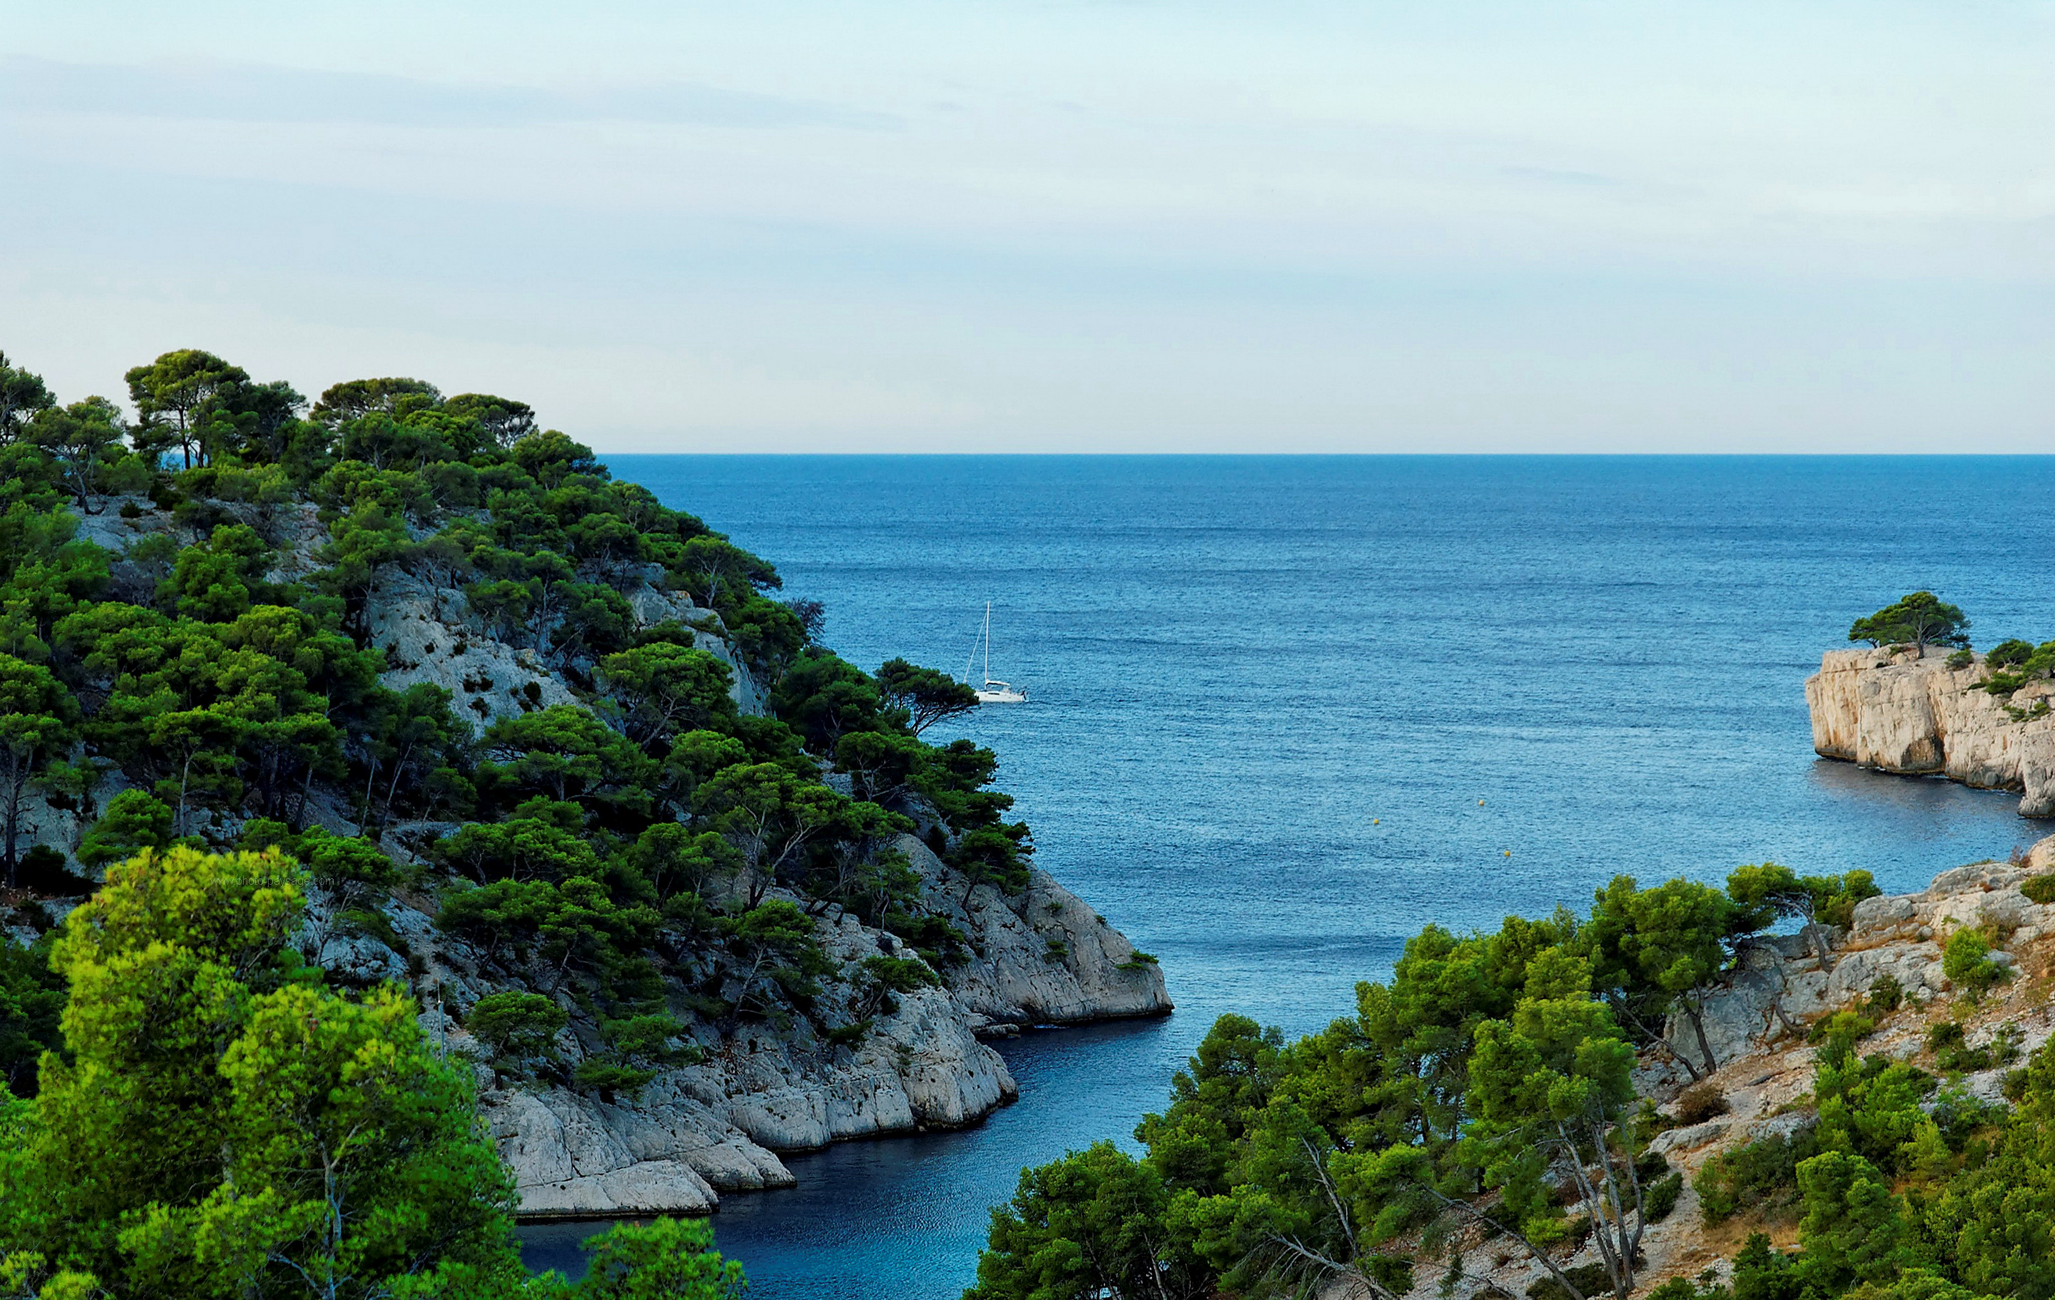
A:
(1898, 712)
(1042, 958)
(755, 1088)
(718, 1126)
(1757, 1023)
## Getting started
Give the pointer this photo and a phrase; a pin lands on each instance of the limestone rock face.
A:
(697, 1131)
(1897, 712)
(1780, 986)
(1052, 962)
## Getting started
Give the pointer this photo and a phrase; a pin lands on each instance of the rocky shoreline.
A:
(758, 1090)
(1896, 711)
(721, 1126)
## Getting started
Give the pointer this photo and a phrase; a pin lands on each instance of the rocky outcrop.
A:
(754, 1089)
(1779, 985)
(719, 1126)
(1757, 1022)
(1898, 712)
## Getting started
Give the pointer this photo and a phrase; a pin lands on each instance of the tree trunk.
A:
(17, 777)
(1820, 947)
(1698, 1028)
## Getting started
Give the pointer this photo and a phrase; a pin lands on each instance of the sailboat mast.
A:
(988, 640)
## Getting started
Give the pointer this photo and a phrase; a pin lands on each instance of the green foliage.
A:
(1854, 1230)
(1886, 995)
(1087, 1224)
(1920, 619)
(265, 1131)
(2012, 664)
(664, 689)
(2039, 889)
(926, 695)
(594, 844)
(1966, 961)
(1664, 944)
(38, 720)
(1761, 1175)
(1662, 1196)
(515, 1025)
(664, 1259)
(31, 1000)
(1953, 1054)
(133, 821)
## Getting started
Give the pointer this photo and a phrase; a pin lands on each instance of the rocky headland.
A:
(1922, 715)
(753, 1090)
(1759, 1023)
(1039, 959)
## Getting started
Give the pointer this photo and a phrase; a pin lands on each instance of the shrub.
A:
(1952, 1052)
(2040, 889)
(2007, 653)
(1886, 995)
(1967, 963)
(901, 974)
(46, 871)
(1761, 1174)
(1661, 1196)
(1961, 658)
(516, 1025)
(849, 1035)
(1699, 1104)
(1591, 1279)
(610, 1076)
(1840, 1033)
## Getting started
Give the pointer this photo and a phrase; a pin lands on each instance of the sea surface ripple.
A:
(1287, 710)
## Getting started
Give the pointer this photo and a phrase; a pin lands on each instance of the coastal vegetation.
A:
(196, 638)
(1479, 1105)
(1919, 619)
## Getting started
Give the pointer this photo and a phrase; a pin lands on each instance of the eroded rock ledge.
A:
(720, 1126)
(1897, 712)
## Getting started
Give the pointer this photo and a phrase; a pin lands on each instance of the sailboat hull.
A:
(1003, 695)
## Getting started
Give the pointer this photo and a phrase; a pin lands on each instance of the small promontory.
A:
(1928, 713)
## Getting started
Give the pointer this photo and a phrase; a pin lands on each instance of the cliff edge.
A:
(1896, 711)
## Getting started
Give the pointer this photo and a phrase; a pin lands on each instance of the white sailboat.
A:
(993, 691)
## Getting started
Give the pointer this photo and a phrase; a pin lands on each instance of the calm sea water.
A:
(1285, 711)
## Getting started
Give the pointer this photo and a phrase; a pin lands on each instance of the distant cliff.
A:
(1892, 711)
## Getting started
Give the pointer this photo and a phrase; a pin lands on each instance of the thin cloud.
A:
(241, 92)
(1556, 176)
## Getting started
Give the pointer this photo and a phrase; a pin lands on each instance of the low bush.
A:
(2040, 889)
(1886, 995)
(1590, 1279)
(1953, 1054)
(1966, 961)
(516, 1025)
(1699, 1104)
(1661, 1197)
(1762, 1175)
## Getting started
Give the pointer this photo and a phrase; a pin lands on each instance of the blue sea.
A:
(1287, 710)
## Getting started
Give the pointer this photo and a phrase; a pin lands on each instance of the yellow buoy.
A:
(1373, 821)
(1480, 803)
(1509, 853)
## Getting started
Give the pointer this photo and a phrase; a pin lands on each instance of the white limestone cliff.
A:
(1897, 712)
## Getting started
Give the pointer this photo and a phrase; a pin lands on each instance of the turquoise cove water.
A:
(1285, 711)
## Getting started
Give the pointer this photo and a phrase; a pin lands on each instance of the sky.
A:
(1096, 225)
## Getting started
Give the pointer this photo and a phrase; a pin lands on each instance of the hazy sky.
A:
(1374, 225)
